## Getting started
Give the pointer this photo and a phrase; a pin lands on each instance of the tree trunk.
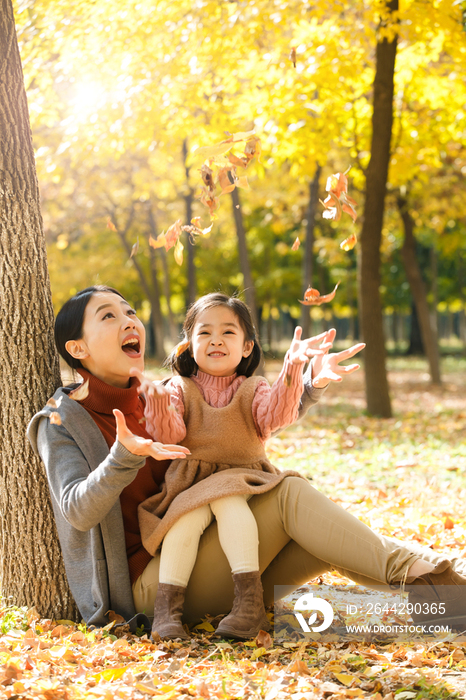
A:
(166, 276)
(32, 569)
(434, 288)
(462, 318)
(192, 285)
(249, 289)
(377, 393)
(418, 290)
(416, 346)
(150, 290)
(308, 257)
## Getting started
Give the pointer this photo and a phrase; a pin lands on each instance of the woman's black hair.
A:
(69, 321)
(181, 361)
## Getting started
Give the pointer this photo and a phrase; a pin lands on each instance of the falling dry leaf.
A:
(135, 248)
(209, 200)
(293, 57)
(349, 243)
(207, 177)
(172, 235)
(338, 199)
(110, 224)
(81, 393)
(242, 182)
(181, 347)
(224, 181)
(253, 149)
(312, 297)
(296, 244)
(159, 242)
(178, 253)
(55, 418)
(237, 162)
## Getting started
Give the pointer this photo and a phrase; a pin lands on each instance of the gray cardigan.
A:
(85, 481)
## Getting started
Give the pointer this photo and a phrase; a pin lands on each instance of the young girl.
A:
(223, 414)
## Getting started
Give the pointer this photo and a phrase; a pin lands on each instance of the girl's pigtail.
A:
(181, 361)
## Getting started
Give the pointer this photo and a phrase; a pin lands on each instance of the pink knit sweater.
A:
(274, 407)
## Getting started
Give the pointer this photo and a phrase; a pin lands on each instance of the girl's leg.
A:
(180, 545)
(237, 531)
(239, 539)
(328, 535)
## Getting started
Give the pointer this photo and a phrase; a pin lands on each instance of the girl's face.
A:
(218, 343)
(113, 339)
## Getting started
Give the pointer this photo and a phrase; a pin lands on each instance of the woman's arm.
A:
(85, 495)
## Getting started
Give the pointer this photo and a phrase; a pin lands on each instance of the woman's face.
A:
(113, 339)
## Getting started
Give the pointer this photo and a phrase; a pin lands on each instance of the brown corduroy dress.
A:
(190, 483)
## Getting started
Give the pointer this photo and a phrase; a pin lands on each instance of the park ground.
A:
(404, 476)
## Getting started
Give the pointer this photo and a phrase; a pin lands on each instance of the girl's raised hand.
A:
(326, 368)
(147, 387)
(144, 447)
(301, 350)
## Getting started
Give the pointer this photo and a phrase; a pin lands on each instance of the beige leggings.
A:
(237, 532)
(302, 534)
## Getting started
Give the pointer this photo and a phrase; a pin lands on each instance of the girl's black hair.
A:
(183, 363)
(69, 321)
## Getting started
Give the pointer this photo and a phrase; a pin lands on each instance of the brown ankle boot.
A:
(248, 615)
(439, 597)
(168, 610)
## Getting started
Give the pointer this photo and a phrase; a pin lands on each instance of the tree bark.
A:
(188, 198)
(418, 290)
(32, 569)
(308, 257)
(377, 392)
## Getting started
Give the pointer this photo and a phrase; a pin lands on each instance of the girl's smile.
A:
(218, 343)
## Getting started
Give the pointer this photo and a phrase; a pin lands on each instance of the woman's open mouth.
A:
(132, 347)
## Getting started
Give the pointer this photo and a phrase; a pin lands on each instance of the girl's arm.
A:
(276, 407)
(164, 410)
(324, 369)
(83, 495)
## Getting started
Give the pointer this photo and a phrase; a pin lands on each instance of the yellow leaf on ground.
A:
(345, 678)
(110, 674)
(204, 626)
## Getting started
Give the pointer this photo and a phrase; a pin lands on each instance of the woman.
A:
(101, 464)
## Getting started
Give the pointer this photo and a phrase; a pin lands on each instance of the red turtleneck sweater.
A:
(100, 402)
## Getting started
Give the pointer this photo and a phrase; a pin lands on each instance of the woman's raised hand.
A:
(144, 447)
(326, 367)
(301, 350)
